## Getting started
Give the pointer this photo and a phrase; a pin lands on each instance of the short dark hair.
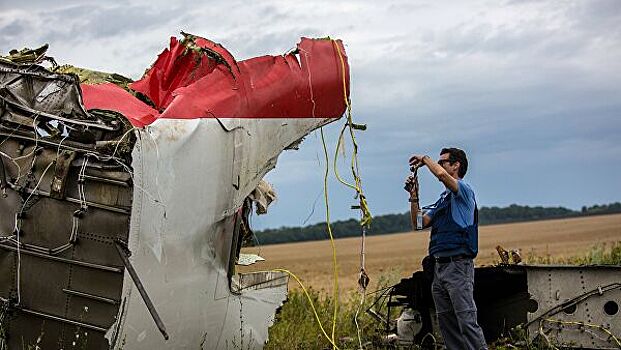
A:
(457, 155)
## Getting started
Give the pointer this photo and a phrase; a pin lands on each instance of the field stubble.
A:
(401, 253)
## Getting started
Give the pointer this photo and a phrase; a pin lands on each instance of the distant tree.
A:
(393, 223)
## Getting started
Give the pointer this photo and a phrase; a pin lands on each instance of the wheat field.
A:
(401, 253)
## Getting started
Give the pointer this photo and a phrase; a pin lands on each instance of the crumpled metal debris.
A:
(197, 78)
(564, 306)
(83, 176)
(67, 195)
(28, 56)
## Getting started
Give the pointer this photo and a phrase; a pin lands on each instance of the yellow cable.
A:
(312, 305)
(366, 214)
(365, 219)
(336, 154)
(574, 323)
(329, 226)
(331, 339)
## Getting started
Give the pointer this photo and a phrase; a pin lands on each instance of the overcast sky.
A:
(530, 90)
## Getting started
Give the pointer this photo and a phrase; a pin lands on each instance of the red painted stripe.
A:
(188, 84)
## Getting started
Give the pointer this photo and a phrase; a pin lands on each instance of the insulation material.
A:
(248, 259)
(263, 196)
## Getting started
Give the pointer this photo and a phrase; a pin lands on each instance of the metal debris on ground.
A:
(565, 306)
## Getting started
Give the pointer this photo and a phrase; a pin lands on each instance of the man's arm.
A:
(437, 170)
(412, 183)
(414, 208)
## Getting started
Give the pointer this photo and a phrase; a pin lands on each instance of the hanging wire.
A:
(609, 334)
(332, 244)
(365, 213)
(363, 206)
(312, 305)
(327, 205)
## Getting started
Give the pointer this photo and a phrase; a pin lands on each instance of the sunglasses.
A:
(442, 161)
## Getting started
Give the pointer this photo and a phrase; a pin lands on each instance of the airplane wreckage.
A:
(567, 306)
(124, 204)
(123, 207)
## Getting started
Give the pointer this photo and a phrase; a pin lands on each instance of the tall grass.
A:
(296, 327)
(601, 254)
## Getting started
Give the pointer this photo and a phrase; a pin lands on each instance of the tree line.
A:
(394, 223)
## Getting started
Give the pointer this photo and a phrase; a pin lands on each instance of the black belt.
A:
(448, 259)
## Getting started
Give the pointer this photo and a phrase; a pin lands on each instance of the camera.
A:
(408, 186)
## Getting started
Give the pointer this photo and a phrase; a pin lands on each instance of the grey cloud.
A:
(69, 13)
(598, 11)
(9, 32)
(530, 40)
(38, 5)
(272, 43)
(408, 6)
(554, 109)
(252, 30)
(97, 22)
(532, 37)
(14, 28)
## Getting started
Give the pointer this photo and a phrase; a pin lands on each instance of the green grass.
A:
(601, 254)
(296, 327)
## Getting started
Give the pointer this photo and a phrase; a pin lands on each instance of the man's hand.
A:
(411, 186)
(436, 169)
(417, 160)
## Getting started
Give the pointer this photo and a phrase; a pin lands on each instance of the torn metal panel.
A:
(196, 78)
(28, 91)
(101, 218)
(573, 306)
(182, 242)
(576, 305)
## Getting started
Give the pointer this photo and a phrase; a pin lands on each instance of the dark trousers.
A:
(452, 289)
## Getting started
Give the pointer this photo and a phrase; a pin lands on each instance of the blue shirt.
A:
(462, 204)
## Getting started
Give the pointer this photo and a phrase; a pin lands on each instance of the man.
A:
(453, 246)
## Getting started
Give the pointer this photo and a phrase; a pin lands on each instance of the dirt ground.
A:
(400, 254)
